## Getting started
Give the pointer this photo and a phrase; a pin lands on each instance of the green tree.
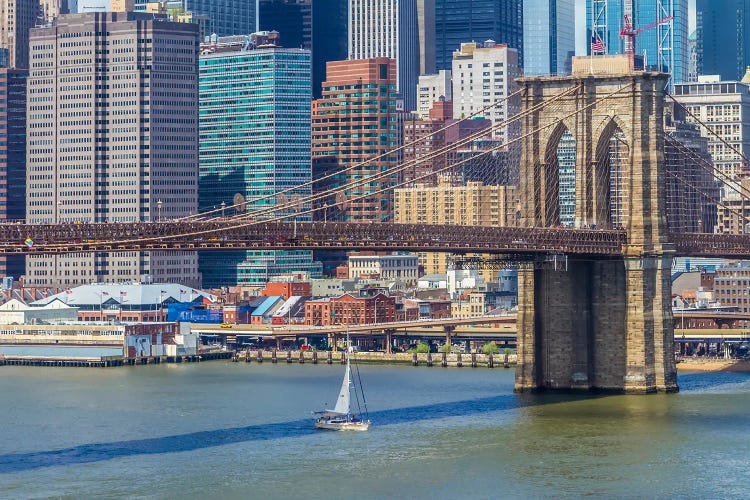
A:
(421, 348)
(490, 348)
(446, 348)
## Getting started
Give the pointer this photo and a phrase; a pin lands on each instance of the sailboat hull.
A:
(332, 425)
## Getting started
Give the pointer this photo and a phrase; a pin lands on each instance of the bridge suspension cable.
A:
(708, 167)
(356, 183)
(479, 112)
(729, 145)
(199, 229)
(218, 230)
(454, 165)
(322, 195)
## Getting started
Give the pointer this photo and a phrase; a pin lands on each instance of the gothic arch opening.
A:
(612, 178)
(559, 181)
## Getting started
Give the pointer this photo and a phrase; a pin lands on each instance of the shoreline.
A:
(714, 365)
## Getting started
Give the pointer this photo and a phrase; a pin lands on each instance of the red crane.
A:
(629, 34)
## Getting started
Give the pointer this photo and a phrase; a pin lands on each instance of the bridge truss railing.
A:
(74, 238)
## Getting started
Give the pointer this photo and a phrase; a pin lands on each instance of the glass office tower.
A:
(230, 17)
(607, 16)
(723, 38)
(462, 21)
(254, 144)
(548, 37)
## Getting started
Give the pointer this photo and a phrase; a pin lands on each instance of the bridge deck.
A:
(231, 235)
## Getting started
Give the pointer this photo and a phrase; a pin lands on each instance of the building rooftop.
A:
(266, 305)
(133, 294)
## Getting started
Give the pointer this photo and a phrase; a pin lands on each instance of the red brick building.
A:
(350, 310)
(286, 289)
(426, 309)
(355, 120)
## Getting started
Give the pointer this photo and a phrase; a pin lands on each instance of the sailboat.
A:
(341, 417)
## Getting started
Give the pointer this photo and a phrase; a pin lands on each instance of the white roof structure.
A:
(287, 306)
(16, 312)
(132, 294)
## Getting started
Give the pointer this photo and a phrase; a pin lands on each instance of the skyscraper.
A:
(17, 17)
(726, 106)
(229, 17)
(665, 46)
(388, 28)
(12, 157)
(330, 36)
(723, 32)
(355, 120)
(484, 74)
(548, 37)
(426, 35)
(461, 21)
(291, 18)
(254, 143)
(125, 138)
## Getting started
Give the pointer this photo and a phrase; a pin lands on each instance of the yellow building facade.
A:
(474, 204)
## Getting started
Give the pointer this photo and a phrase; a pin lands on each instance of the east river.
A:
(236, 430)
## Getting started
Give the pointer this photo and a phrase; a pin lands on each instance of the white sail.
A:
(342, 403)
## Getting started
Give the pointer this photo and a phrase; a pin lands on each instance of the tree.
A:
(446, 348)
(490, 348)
(421, 348)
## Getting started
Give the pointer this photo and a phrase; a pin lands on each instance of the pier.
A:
(109, 361)
(473, 360)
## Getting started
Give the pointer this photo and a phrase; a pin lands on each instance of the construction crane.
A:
(629, 34)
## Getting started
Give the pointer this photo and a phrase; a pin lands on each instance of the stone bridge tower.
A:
(600, 324)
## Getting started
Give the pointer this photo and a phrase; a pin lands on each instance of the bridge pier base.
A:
(600, 325)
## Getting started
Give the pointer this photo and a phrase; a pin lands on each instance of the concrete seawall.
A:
(330, 357)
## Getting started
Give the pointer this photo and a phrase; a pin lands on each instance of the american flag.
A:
(596, 44)
(68, 291)
(123, 293)
(163, 292)
(105, 293)
(182, 292)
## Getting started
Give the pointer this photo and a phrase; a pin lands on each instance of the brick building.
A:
(349, 309)
(732, 287)
(286, 289)
(355, 120)
(424, 138)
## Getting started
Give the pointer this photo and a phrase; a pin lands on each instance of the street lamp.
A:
(158, 208)
(325, 213)
(223, 205)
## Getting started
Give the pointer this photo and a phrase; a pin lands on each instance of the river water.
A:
(236, 430)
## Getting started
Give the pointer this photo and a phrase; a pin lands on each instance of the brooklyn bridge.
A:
(603, 321)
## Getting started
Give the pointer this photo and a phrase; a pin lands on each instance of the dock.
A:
(109, 361)
(473, 360)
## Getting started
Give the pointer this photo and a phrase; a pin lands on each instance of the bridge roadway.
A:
(496, 327)
(501, 323)
(230, 234)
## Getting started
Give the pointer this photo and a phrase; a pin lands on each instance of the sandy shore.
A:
(713, 365)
